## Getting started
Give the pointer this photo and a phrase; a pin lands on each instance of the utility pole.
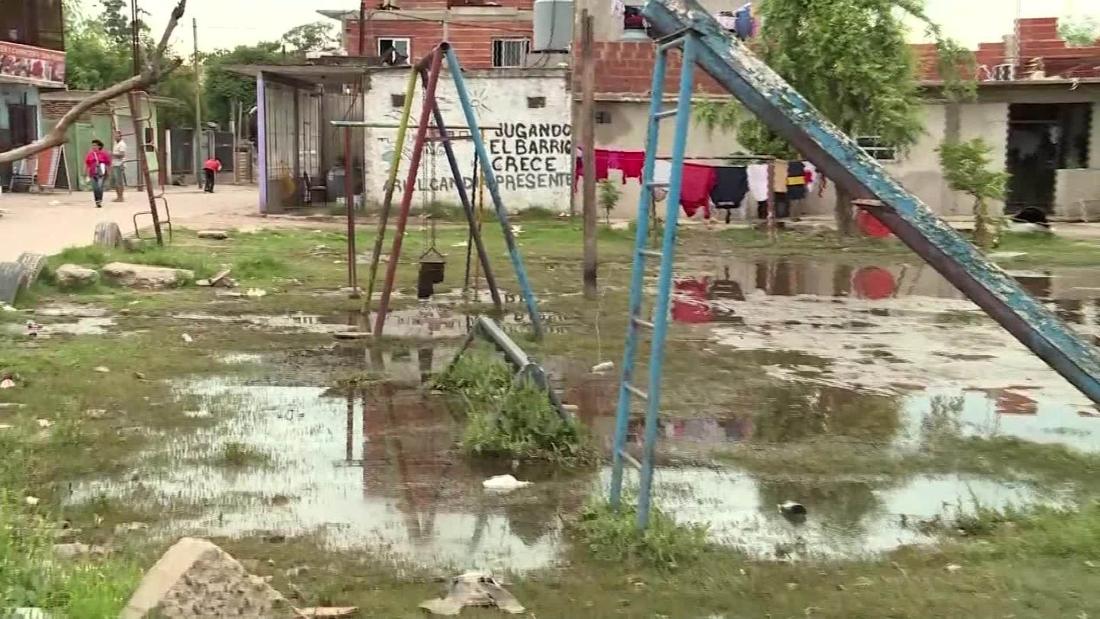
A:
(362, 26)
(588, 155)
(196, 140)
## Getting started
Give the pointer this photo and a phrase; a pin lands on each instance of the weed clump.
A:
(234, 454)
(614, 536)
(513, 419)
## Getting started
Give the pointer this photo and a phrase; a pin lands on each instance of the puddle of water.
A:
(82, 326)
(845, 519)
(369, 471)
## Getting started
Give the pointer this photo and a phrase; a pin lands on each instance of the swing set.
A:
(431, 127)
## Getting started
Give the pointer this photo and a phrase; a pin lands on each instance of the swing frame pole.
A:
(387, 201)
(436, 60)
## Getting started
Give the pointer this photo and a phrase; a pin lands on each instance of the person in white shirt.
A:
(118, 166)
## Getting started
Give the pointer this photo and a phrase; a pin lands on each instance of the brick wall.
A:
(626, 68)
(54, 110)
(472, 40)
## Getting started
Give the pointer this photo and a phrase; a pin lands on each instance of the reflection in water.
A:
(377, 468)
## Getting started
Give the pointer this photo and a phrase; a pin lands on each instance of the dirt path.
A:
(48, 223)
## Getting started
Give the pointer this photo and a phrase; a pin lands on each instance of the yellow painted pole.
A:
(391, 183)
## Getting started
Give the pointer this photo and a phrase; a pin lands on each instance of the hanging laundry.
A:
(744, 22)
(811, 176)
(632, 163)
(758, 181)
(730, 186)
(779, 176)
(696, 184)
(602, 161)
(796, 180)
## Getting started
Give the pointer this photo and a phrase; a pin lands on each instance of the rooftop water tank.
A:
(553, 25)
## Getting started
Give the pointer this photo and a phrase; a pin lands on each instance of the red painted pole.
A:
(410, 187)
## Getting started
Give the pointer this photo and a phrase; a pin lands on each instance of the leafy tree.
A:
(221, 87)
(315, 37)
(966, 166)
(1081, 32)
(850, 59)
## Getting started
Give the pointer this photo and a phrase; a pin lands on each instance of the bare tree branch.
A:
(155, 71)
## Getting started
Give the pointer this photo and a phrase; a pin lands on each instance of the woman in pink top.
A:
(97, 163)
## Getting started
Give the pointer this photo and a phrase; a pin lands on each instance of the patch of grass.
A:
(614, 536)
(30, 576)
(512, 419)
(260, 267)
(238, 455)
(1048, 250)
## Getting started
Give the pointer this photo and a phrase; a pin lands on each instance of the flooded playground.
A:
(772, 364)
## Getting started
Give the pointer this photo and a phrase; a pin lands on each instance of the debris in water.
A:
(129, 527)
(477, 589)
(187, 338)
(351, 335)
(4, 307)
(33, 328)
(255, 293)
(44, 423)
(7, 383)
(32, 500)
(5, 426)
(952, 568)
(331, 612)
(504, 483)
(793, 511)
(102, 369)
(604, 367)
(199, 414)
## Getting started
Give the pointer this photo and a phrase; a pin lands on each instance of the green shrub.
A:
(512, 419)
(614, 536)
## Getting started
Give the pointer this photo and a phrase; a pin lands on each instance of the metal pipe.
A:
(349, 201)
(494, 190)
(637, 277)
(387, 201)
(407, 196)
(664, 284)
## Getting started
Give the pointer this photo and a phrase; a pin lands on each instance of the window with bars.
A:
(877, 148)
(510, 52)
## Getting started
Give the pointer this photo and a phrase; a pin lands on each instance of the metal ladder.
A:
(688, 42)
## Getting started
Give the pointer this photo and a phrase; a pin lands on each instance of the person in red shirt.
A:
(96, 164)
(210, 170)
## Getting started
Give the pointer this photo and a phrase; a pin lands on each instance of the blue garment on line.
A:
(743, 23)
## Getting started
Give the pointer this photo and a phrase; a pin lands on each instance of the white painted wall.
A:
(530, 150)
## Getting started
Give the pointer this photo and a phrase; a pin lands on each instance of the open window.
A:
(394, 51)
(510, 52)
(633, 22)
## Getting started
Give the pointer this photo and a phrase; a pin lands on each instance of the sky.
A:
(226, 23)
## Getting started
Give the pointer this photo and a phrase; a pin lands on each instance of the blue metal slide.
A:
(787, 113)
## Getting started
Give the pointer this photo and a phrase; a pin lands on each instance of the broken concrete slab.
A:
(215, 235)
(145, 276)
(75, 276)
(478, 589)
(195, 578)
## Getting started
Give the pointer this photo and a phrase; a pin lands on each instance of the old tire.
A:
(107, 234)
(33, 264)
(11, 281)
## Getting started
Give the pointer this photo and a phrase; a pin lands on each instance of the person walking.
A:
(96, 163)
(210, 170)
(118, 166)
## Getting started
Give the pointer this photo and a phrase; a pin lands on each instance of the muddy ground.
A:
(926, 443)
